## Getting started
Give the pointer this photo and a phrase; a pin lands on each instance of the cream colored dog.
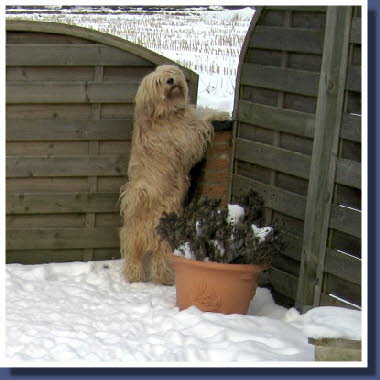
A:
(169, 137)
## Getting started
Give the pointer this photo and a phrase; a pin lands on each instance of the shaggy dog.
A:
(169, 137)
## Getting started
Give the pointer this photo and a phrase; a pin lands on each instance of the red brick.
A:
(223, 136)
(213, 190)
(219, 147)
(216, 176)
(221, 163)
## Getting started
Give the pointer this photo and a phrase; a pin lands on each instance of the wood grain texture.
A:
(282, 79)
(68, 130)
(70, 92)
(70, 55)
(323, 166)
(39, 203)
(62, 238)
(281, 74)
(272, 157)
(65, 166)
(293, 40)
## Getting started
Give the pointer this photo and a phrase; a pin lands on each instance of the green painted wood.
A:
(54, 203)
(323, 166)
(282, 79)
(70, 92)
(62, 238)
(287, 39)
(68, 130)
(65, 166)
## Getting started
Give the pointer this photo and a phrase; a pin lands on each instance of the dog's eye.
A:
(170, 81)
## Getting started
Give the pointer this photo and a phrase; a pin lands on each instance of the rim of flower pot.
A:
(220, 266)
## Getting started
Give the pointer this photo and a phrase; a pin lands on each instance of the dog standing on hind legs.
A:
(169, 137)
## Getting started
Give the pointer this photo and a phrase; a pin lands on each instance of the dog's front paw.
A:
(221, 115)
(205, 113)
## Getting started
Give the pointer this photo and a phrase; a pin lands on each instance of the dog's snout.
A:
(170, 81)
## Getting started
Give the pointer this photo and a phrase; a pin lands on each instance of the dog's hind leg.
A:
(161, 269)
(132, 251)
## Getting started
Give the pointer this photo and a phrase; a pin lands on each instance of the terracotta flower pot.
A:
(215, 287)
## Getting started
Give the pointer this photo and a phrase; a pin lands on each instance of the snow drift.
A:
(86, 312)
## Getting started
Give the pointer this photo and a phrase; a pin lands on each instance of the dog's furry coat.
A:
(169, 137)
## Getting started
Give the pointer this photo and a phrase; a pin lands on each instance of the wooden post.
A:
(323, 163)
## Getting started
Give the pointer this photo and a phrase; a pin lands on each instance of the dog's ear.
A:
(144, 104)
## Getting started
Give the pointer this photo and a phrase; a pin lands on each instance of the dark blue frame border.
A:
(276, 373)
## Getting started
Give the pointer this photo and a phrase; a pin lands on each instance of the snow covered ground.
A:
(84, 312)
(207, 40)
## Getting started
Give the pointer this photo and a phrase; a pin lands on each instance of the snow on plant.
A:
(228, 234)
(235, 214)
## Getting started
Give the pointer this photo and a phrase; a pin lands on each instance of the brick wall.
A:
(212, 176)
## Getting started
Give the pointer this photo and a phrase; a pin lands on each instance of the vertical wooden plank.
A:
(280, 104)
(323, 163)
(238, 90)
(93, 149)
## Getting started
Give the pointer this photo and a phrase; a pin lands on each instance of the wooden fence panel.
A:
(69, 115)
(323, 163)
(277, 108)
(344, 243)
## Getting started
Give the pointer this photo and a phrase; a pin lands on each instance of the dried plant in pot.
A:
(219, 251)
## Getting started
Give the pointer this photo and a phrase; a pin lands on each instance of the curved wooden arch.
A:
(103, 38)
(242, 55)
(69, 96)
